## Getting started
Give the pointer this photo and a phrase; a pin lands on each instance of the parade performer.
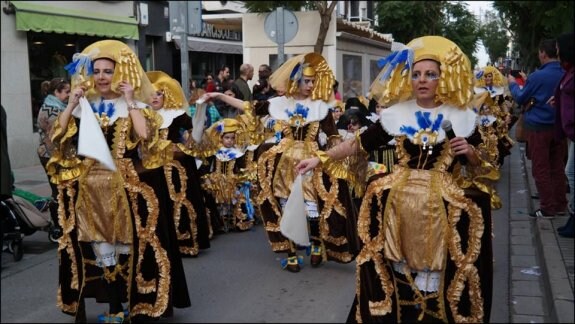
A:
(425, 255)
(307, 126)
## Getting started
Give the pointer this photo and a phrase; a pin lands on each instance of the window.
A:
(352, 76)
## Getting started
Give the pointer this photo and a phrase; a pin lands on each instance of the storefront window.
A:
(48, 54)
(352, 76)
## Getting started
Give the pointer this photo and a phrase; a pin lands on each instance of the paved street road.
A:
(238, 279)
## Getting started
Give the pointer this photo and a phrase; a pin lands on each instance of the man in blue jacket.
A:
(546, 152)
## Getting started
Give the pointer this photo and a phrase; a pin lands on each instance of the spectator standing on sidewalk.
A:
(246, 74)
(565, 120)
(55, 102)
(546, 151)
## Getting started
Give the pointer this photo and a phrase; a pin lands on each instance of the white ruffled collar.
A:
(168, 116)
(493, 91)
(486, 120)
(225, 154)
(423, 125)
(297, 112)
(114, 108)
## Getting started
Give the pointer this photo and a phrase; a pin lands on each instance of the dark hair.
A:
(230, 85)
(352, 116)
(260, 86)
(565, 45)
(56, 84)
(548, 47)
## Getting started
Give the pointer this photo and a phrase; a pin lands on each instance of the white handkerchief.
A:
(91, 141)
(293, 224)
(198, 121)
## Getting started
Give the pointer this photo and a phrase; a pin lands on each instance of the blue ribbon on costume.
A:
(80, 61)
(391, 61)
(284, 261)
(245, 190)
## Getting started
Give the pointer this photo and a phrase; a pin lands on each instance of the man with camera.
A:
(547, 154)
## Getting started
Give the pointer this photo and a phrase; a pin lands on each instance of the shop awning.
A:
(41, 18)
(197, 44)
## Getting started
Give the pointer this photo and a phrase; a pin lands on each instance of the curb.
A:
(558, 296)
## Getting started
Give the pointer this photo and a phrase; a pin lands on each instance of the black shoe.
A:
(567, 232)
(540, 213)
(569, 223)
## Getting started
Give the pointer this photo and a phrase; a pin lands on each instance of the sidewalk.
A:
(555, 255)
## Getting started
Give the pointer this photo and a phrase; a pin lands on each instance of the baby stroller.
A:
(21, 218)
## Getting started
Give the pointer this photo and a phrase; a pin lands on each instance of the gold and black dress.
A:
(425, 255)
(231, 189)
(110, 218)
(192, 225)
(327, 199)
(492, 106)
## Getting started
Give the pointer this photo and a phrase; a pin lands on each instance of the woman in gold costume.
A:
(189, 213)
(425, 255)
(110, 249)
(306, 124)
(494, 111)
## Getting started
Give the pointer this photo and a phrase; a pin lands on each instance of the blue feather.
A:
(80, 61)
(393, 60)
(479, 74)
(295, 72)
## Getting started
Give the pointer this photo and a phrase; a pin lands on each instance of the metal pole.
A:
(281, 35)
(184, 58)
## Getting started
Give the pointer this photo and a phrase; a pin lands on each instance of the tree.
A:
(529, 22)
(461, 27)
(494, 37)
(325, 12)
(407, 20)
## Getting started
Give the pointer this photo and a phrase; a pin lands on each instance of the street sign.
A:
(281, 26)
(194, 17)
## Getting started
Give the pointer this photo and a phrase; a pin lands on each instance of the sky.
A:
(476, 7)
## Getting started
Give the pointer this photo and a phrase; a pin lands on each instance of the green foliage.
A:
(529, 22)
(269, 6)
(407, 20)
(494, 36)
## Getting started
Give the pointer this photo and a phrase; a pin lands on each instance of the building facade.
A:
(40, 38)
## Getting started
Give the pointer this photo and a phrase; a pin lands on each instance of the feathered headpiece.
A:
(174, 97)
(127, 68)
(393, 84)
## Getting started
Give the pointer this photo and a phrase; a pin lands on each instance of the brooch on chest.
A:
(103, 112)
(426, 131)
(297, 117)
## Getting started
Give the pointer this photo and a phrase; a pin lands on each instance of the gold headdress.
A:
(393, 84)
(174, 97)
(127, 68)
(228, 125)
(339, 104)
(287, 77)
(498, 79)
